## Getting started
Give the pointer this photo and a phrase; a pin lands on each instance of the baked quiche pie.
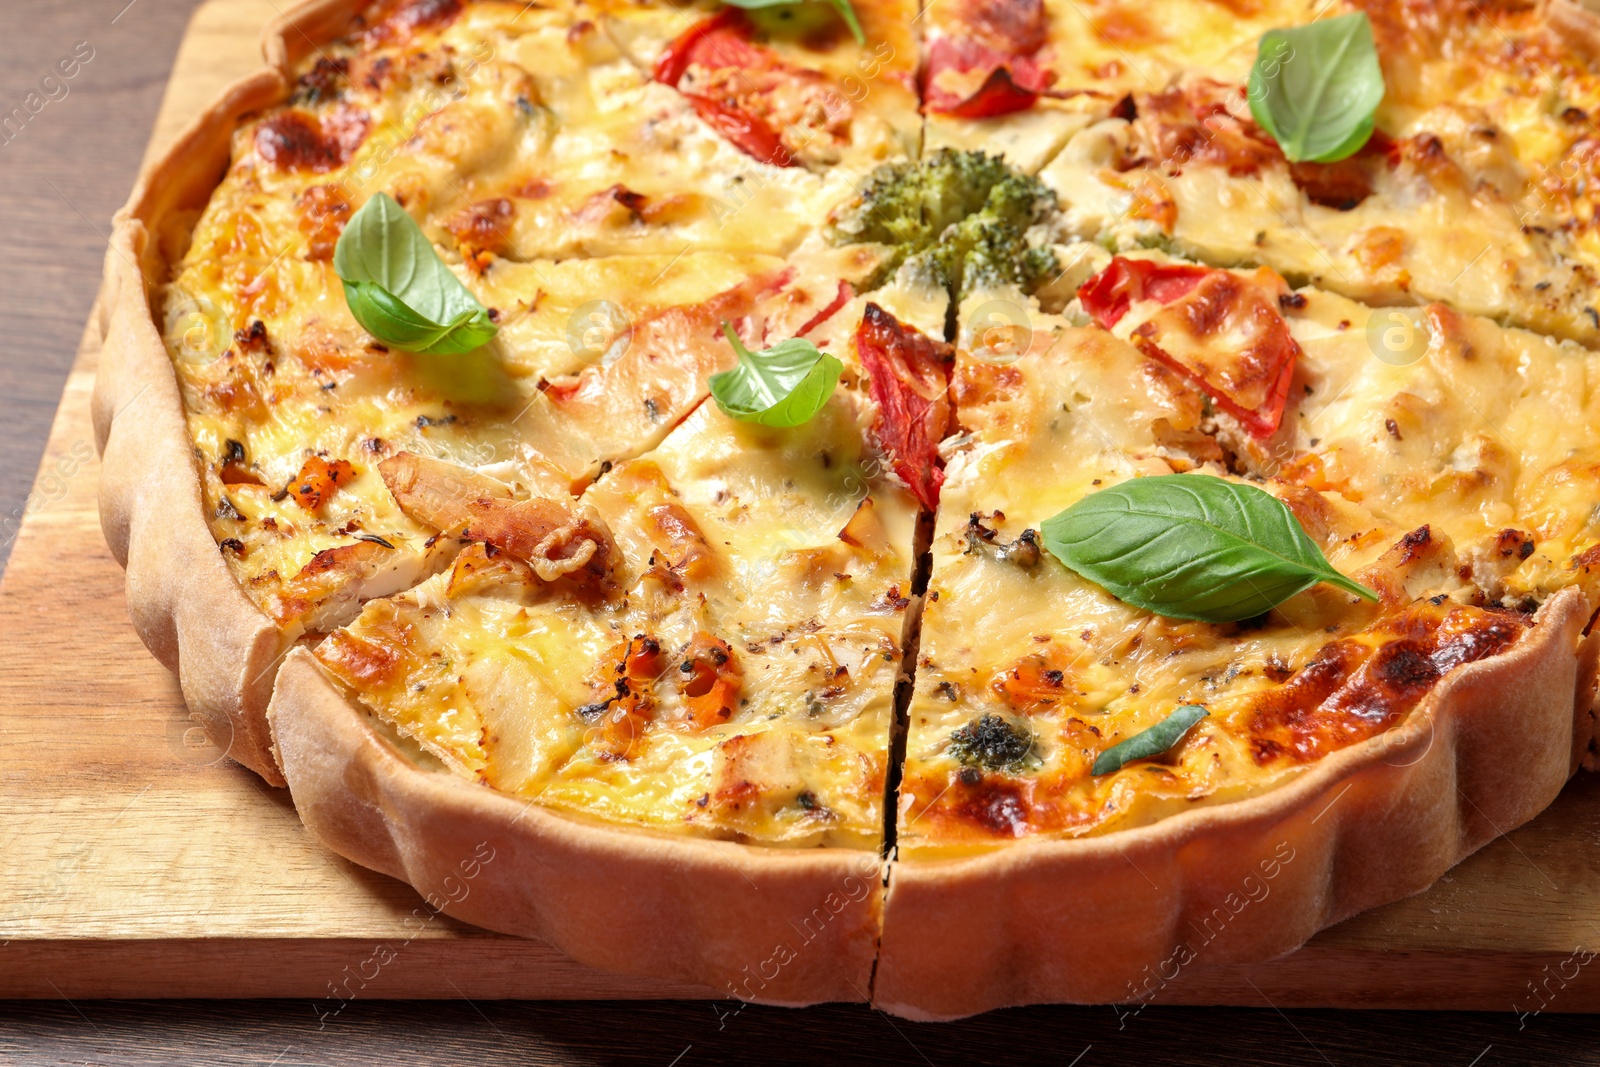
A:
(852, 501)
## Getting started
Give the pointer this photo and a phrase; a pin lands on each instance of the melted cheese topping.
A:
(788, 546)
(570, 382)
(519, 136)
(1451, 471)
(1481, 196)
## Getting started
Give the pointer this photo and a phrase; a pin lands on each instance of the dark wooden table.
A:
(61, 177)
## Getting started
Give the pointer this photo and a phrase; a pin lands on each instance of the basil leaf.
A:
(843, 7)
(398, 288)
(1191, 546)
(1152, 742)
(1314, 88)
(784, 385)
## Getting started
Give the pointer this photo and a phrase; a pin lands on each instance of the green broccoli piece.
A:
(989, 247)
(964, 215)
(958, 184)
(911, 204)
(888, 211)
(991, 743)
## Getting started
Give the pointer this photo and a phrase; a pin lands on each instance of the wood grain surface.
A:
(134, 861)
(64, 170)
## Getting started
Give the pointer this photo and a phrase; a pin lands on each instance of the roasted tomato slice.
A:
(910, 381)
(1108, 295)
(744, 131)
(709, 678)
(990, 66)
(723, 40)
(1222, 330)
(973, 81)
(722, 43)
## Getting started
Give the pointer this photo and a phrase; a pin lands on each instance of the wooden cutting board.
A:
(136, 861)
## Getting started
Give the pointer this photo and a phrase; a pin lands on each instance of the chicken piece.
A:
(557, 538)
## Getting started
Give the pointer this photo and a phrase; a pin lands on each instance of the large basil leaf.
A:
(398, 288)
(1314, 88)
(784, 385)
(1152, 742)
(1191, 546)
(843, 7)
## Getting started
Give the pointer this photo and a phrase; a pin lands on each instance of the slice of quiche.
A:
(1439, 474)
(709, 643)
(1096, 796)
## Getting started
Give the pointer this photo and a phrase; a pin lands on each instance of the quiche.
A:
(851, 501)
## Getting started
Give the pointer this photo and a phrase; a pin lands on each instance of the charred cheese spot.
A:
(296, 140)
(685, 547)
(997, 805)
(397, 21)
(484, 226)
(363, 662)
(1353, 689)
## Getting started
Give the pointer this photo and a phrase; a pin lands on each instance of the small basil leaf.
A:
(846, 12)
(402, 328)
(398, 288)
(784, 385)
(1191, 546)
(1152, 742)
(1314, 88)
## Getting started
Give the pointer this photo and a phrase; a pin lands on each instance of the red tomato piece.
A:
(1108, 295)
(717, 43)
(745, 131)
(1010, 82)
(909, 376)
(1222, 330)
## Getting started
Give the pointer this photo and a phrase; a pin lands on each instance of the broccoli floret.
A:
(910, 204)
(989, 247)
(889, 210)
(964, 215)
(999, 259)
(991, 743)
(958, 184)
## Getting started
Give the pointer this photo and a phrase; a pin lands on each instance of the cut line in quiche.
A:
(811, 587)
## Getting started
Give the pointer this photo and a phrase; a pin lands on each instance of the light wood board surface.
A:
(136, 861)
